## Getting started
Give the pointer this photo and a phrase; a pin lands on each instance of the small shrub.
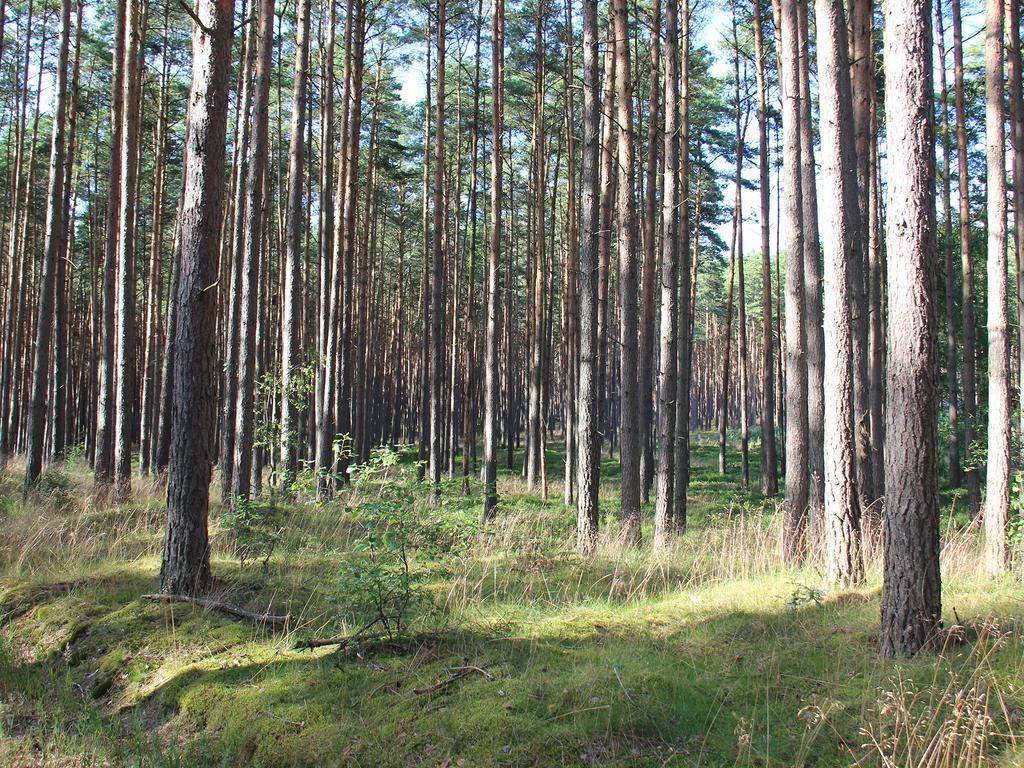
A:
(254, 530)
(803, 596)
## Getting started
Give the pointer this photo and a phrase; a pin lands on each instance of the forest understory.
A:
(511, 650)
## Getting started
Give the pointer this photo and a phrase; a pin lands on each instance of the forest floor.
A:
(514, 650)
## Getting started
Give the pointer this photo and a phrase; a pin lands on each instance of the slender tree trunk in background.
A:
(911, 607)
(437, 270)
(425, 295)
(58, 414)
(124, 346)
(951, 346)
(997, 479)
(186, 558)
(588, 441)
(607, 188)
(323, 413)
(724, 388)
(536, 315)
(570, 315)
(861, 60)
(796, 358)
(967, 268)
(468, 433)
(1016, 101)
(629, 450)
(645, 376)
(249, 264)
(494, 319)
(104, 459)
(841, 520)
(8, 362)
(149, 368)
(769, 462)
(813, 331)
(741, 317)
(291, 349)
(161, 455)
(667, 337)
(232, 342)
(681, 448)
(54, 237)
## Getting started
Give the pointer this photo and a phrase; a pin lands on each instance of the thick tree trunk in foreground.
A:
(841, 519)
(54, 239)
(997, 480)
(186, 559)
(911, 610)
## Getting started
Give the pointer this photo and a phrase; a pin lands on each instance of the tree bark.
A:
(796, 360)
(769, 462)
(911, 608)
(997, 478)
(629, 450)
(51, 252)
(186, 558)
(841, 524)
(668, 338)
(249, 265)
(967, 269)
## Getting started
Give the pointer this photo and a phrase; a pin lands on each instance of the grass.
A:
(520, 654)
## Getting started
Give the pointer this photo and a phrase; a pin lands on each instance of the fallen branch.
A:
(459, 673)
(230, 610)
(341, 641)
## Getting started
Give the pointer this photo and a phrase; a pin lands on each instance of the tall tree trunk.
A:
(814, 333)
(951, 346)
(249, 264)
(629, 450)
(588, 441)
(997, 479)
(291, 347)
(232, 339)
(645, 376)
(911, 609)
(967, 268)
(51, 252)
(841, 524)
(769, 469)
(668, 338)
(1016, 101)
(124, 347)
(684, 309)
(104, 459)
(437, 288)
(494, 320)
(186, 558)
(796, 359)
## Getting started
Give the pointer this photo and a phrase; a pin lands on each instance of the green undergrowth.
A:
(519, 652)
